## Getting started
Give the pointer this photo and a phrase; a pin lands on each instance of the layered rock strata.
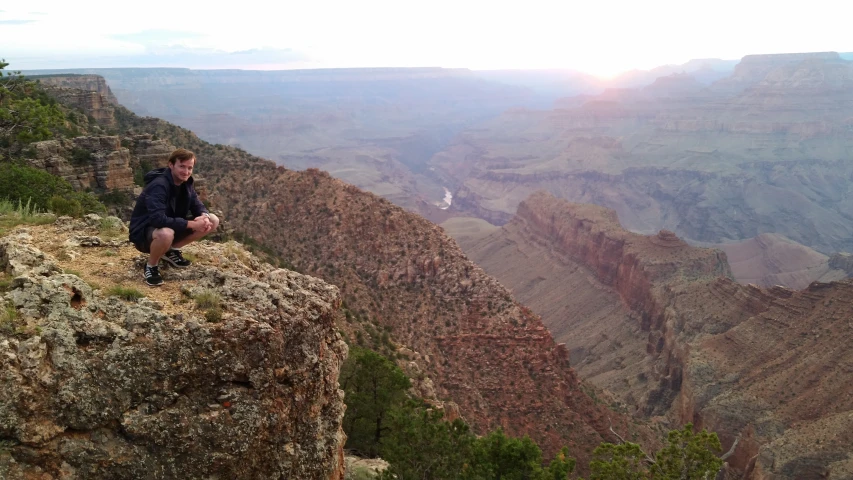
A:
(663, 326)
(98, 387)
(767, 152)
(88, 163)
(89, 93)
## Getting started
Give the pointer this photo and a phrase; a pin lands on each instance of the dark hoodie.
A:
(163, 204)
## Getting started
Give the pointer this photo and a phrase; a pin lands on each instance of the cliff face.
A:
(662, 326)
(96, 163)
(103, 388)
(89, 93)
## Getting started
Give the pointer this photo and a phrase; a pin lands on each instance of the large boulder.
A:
(97, 387)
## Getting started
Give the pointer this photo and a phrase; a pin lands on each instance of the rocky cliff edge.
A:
(97, 386)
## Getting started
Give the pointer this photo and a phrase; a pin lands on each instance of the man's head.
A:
(181, 163)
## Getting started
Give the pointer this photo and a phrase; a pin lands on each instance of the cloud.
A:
(16, 22)
(37, 13)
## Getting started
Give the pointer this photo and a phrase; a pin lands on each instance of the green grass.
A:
(13, 214)
(210, 302)
(126, 293)
(111, 227)
(8, 317)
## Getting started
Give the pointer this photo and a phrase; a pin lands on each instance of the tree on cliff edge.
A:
(26, 114)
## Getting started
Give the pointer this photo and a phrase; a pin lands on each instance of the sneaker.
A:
(152, 276)
(175, 259)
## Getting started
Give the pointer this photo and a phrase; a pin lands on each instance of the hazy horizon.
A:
(603, 39)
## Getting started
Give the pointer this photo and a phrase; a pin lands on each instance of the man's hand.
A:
(200, 224)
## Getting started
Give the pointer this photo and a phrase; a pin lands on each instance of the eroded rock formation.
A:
(661, 325)
(98, 387)
(766, 151)
(95, 163)
(89, 93)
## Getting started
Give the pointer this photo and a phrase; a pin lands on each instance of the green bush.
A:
(213, 315)
(65, 206)
(140, 171)
(23, 183)
(81, 156)
(89, 202)
(76, 204)
(116, 197)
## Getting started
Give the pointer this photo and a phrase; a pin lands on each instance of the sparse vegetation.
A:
(8, 319)
(210, 302)
(13, 214)
(213, 315)
(207, 299)
(81, 156)
(126, 293)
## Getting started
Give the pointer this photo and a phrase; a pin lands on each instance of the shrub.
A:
(116, 197)
(81, 156)
(207, 299)
(140, 171)
(213, 315)
(20, 183)
(65, 206)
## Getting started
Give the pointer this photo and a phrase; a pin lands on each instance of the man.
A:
(159, 225)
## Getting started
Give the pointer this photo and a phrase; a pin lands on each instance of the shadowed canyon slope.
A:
(767, 150)
(661, 325)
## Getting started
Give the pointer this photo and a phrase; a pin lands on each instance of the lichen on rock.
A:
(98, 387)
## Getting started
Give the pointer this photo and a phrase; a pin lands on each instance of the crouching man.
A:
(159, 225)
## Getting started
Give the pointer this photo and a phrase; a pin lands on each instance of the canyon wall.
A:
(663, 327)
(89, 93)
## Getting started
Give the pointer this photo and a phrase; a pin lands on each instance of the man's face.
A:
(181, 170)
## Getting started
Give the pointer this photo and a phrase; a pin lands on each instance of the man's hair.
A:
(180, 155)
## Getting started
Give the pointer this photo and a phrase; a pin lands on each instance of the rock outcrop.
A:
(98, 387)
(89, 93)
(661, 325)
(88, 163)
(771, 259)
(842, 261)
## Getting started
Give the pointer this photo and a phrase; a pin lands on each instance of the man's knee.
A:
(164, 235)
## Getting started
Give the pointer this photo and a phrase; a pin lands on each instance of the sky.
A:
(600, 37)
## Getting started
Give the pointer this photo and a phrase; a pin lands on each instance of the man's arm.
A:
(156, 199)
